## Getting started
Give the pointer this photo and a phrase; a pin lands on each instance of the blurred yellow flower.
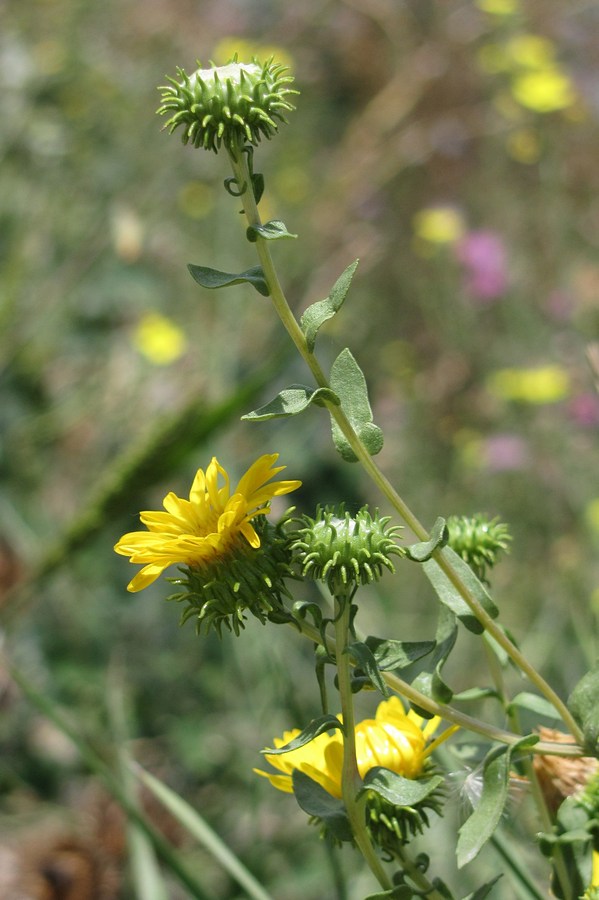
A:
(531, 51)
(196, 199)
(226, 49)
(207, 527)
(392, 739)
(439, 225)
(159, 339)
(545, 90)
(499, 7)
(544, 384)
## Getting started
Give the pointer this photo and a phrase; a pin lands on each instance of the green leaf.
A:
(315, 801)
(319, 313)
(430, 682)
(399, 892)
(270, 231)
(533, 702)
(365, 659)
(392, 655)
(291, 401)
(423, 551)
(476, 693)
(583, 703)
(348, 382)
(479, 827)
(213, 279)
(316, 727)
(450, 596)
(484, 890)
(398, 790)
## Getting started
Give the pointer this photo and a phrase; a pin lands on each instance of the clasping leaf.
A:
(213, 279)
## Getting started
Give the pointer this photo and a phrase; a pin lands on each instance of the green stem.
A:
(350, 778)
(417, 876)
(242, 175)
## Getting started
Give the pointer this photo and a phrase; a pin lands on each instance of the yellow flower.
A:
(546, 384)
(207, 527)
(545, 90)
(439, 225)
(499, 7)
(159, 339)
(392, 739)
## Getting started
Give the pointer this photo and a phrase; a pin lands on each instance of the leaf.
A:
(533, 702)
(320, 312)
(315, 801)
(270, 231)
(479, 827)
(213, 279)
(430, 682)
(392, 655)
(583, 703)
(290, 402)
(316, 727)
(449, 594)
(477, 693)
(423, 551)
(348, 382)
(484, 890)
(398, 790)
(365, 659)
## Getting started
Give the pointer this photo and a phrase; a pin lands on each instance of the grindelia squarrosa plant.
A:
(379, 782)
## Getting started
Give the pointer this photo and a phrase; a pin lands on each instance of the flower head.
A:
(231, 104)
(212, 526)
(394, 739)
(337, 548)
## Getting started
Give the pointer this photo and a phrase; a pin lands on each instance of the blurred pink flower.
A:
(505, 452)
(584, 409)
(483, 257)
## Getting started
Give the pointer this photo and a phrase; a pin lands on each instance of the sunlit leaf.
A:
(291, 401)
(323, 310)
(534, 703)
(348, 382)
(398, 790)
(270, 231)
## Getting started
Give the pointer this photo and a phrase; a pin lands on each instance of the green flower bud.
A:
(220, 592)
(340, 549)
(391, 827)
(232, 105)
(478, 540)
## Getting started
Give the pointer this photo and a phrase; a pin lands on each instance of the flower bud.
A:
(233, 105)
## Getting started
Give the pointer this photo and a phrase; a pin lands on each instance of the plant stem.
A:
(350, 778)
(241, 172)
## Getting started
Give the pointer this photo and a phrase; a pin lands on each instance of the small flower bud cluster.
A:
(478, 540)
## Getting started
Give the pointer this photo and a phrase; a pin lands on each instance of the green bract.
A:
(232, 105)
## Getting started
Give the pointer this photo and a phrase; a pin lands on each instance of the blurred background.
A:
(452, 147)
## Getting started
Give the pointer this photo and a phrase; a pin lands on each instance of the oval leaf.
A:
(536, 704)
(398, 790)
(292, 401)
(583, 703)
(348, 382)
(319, 313)
(315, 801)
(213, 279)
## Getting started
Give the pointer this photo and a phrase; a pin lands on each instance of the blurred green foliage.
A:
(406, 109)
